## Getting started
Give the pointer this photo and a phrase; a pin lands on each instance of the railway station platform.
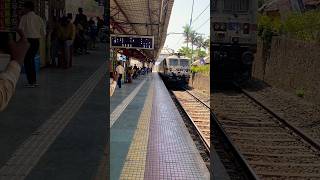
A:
(148, 138)
(58, 130)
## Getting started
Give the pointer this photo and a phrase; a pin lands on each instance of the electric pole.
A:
(191, 34)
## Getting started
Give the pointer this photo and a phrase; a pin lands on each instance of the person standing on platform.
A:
(130, 73)
(54, 41)
(79, 39)
(135, 71)
(120, 71)
(65, 36)
(33, 28)
(92, 30)
(82, 18)
(71, 25)
(100, 24)
(83, 21)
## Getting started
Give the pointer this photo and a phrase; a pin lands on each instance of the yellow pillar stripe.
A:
(134, 166)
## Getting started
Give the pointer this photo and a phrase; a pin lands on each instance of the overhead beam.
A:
(150, 18)
(124, 14)
(154, 24)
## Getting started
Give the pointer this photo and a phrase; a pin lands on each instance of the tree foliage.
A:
(302, 26)
(193, 37)
(201, 69)
(197, 41)
(186, 51)
(198, 53)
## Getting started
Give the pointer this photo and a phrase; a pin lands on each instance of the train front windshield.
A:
(236, 6)
(184, 62)
(173, 62)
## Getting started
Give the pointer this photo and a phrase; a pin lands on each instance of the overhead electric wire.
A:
(201, 13)
(190, 23)
(179, 42)
(202, 24)
(191, 13)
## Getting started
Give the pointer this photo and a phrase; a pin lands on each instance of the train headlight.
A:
(220, 26)
(235, 39)
(247, 58)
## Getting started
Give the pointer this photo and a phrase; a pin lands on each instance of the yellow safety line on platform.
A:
(134, 166)
(123, 105)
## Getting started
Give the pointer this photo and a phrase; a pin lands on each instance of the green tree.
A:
(199, 41)
(187, 31)
(304, 26)
(191, 36)
(185, 51)
(200, 53)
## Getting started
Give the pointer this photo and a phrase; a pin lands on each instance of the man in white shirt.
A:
(120, 71)
(33, 28)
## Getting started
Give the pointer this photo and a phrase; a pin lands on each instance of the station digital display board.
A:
(132, 42)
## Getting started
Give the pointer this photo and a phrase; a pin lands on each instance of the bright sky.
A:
(180, 16)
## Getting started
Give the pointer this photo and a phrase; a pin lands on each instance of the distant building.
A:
(203, 61)
(312, 4)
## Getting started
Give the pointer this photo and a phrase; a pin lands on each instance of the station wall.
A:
(293, 66)
(200, 82)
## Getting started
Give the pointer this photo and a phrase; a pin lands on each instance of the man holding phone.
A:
(33, 28)
(10, 76)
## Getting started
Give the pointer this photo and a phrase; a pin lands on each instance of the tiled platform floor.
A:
(57, 131)
(149, 139)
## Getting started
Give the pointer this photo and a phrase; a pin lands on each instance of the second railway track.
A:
(271, 148)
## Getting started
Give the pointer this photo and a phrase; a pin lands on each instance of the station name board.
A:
(132, 42)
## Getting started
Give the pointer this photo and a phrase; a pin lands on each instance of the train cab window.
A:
(184, 62)
(236, 6)
(173, 62)
(243, 5)
(227, 5)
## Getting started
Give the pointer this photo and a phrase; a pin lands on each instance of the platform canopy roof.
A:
(144, 18)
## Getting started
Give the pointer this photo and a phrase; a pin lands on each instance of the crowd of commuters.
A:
(76, 37)
(67, 37)
(131, 73)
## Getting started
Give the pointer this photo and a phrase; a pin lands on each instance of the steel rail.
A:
(303, 135)
(198, 131)
(216, 126)
(249, 172)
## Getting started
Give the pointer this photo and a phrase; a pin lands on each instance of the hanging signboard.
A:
(131, 42)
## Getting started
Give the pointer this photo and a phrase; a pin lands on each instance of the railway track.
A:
(267, 146)
(198, 112)
(197, 108)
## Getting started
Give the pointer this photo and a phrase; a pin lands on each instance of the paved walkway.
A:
(57, 131)
(148, 137)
